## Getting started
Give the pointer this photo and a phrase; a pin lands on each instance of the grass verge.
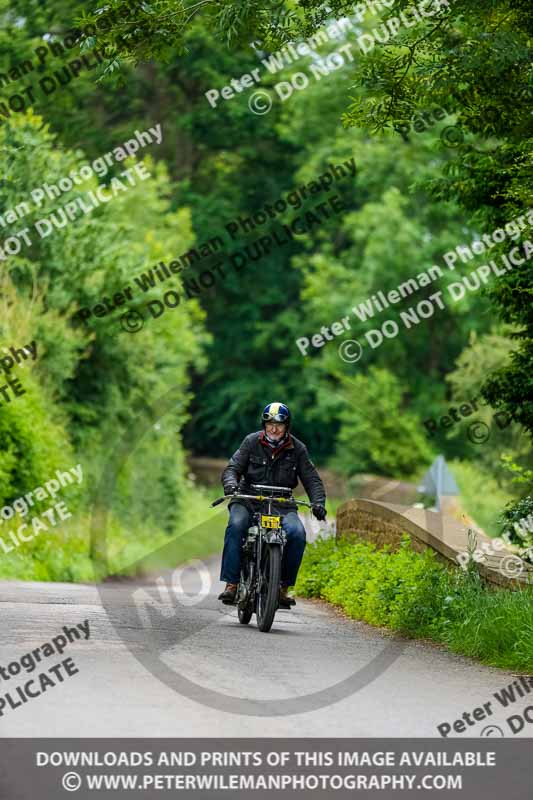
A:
(62, 553)
(481, 495)
(414, 594)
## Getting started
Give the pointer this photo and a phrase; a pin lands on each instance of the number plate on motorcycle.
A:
(270, 522)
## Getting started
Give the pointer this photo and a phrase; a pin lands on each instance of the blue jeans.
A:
(240, 520)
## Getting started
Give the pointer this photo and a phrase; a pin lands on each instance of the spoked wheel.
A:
(267, 599)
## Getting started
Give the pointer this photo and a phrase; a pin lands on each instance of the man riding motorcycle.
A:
(273, 457)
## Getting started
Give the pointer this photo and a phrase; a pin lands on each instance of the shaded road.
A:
(311, 648)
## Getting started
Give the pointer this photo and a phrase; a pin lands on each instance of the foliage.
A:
(472, 58)
(377, 433)
(415, 595)
(158, 28)
(480, 358)
(27, 461)
(483, 495)
(517, 521)
(101, 379)
(233, 349)
(63, 553)
(475, 60)
(520, 474)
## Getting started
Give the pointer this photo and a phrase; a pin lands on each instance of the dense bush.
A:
(517, 519)
(63, 553)
(377, 433)
(92, 387)
(414, 594)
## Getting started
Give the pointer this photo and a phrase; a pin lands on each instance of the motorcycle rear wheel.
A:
(245, 609)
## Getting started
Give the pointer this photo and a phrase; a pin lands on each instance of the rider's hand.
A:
(319, 512)
(230, 489)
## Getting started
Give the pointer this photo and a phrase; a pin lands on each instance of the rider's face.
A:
(275, 429)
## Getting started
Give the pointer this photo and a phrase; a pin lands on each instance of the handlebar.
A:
(220, 500)
(238, 496)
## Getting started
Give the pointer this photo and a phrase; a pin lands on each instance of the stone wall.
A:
(354, 521)
(382, 524)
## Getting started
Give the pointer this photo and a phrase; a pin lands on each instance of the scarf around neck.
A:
(275, 445)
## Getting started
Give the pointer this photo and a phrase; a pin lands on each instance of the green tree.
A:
(472, 57)
(475, 59)
(378, 435)
(481, 358)
(101, 377)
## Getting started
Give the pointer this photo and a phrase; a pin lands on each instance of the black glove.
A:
(319, 512)
(230, 489)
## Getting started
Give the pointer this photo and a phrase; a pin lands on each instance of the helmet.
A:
(276, 412)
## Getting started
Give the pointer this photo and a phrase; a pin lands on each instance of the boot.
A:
(228, 595)
(284, 600)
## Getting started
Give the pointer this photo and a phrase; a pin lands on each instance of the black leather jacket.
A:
(253, 462)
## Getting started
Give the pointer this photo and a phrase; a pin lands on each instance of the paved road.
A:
(311, 648)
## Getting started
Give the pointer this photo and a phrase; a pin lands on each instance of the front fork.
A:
(254, 580)
(268, 536)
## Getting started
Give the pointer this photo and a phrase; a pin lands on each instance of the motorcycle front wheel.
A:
(268, 596)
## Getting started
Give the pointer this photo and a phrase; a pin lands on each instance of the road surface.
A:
(312, 648)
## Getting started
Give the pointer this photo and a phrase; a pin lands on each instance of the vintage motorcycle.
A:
(261, 555)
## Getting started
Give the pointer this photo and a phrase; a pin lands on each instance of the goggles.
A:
(275, 417)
